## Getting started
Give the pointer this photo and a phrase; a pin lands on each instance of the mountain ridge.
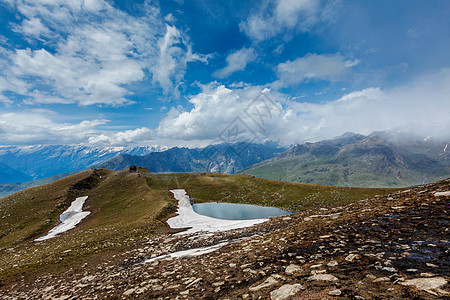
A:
(381, 159)
(11, 175)
(42, 161)
(221, 158)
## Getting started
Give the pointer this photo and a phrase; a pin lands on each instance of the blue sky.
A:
(179, 72)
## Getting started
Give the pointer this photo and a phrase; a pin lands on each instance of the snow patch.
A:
(69, 218)
(188, 218)
(439, 194)
(196, 251)
(188, 253)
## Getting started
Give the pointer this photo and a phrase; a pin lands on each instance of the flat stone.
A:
(332, 263)
(390, 269)
(426, 283)
(325, 236)
(442, 194)
(323, 277)
(128, 292)
(286, 291)
(87, 278)
(268, 282)
(219, 283)
(292, 269)
(335, 292)
(382, 279)
(352, 257)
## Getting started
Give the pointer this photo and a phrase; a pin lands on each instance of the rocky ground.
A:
(388, 247)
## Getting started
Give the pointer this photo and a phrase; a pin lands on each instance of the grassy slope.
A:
(126, 208)
(123, 210)
(330, 171)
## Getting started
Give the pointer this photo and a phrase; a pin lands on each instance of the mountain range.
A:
(381, 159)
(37, 165)
(25, 163)
(221, 158)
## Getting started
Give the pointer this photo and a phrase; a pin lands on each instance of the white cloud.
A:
(218, 110)
(170, 68)
(236, 61)
(277, 16)
(168, 53)
(41, 126)
(140, 135)
(215, 108)
(36, 127)
(331, 67)
(5, 99)
(170, 18)
(424, 102)
(33, 27)
(93, 52)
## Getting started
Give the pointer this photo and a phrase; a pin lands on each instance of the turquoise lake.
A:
(231, 211)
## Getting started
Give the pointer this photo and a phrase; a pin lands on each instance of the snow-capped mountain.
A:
(221, 158)
(47, 160)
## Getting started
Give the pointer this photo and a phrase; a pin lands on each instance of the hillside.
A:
(221, 158)
(381, 159)
(127, 208)
(393, 246)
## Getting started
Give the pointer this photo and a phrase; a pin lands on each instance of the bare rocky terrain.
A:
(394, 246)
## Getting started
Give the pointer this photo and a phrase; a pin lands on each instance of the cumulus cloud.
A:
(217, 109)
(330, 67)
(213, 110)
(277, 16)
(236, 61)
(37, 127)
(93, 52)
(41, 126)
(252, 113)
(140, 135)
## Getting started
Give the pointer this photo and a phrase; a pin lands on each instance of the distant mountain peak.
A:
(40, 161)
(380, 159)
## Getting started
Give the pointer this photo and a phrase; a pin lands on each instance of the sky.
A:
(192, 73)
